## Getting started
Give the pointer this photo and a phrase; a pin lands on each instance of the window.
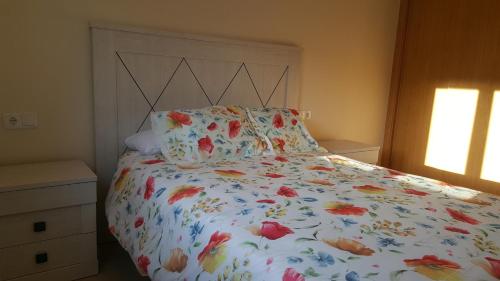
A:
(450, 133)
(491, 160)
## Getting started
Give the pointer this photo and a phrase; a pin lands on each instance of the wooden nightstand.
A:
(354, 150)
(47, 221)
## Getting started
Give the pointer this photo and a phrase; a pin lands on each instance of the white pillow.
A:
(146, 142)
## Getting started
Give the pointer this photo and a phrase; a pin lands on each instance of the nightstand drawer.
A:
(44, 225)
(47, 255)
(38, 199)
(370, 157)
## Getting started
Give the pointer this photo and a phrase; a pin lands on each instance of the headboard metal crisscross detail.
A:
(221, 96)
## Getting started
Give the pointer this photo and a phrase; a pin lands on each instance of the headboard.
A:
(137, 71)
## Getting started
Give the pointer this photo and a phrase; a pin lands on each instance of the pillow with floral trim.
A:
(208, 134)
(284, 129)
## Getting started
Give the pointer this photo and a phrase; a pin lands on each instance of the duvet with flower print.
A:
(299, 217)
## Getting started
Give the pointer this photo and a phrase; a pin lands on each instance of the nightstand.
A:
(47, 221)
(354, 150)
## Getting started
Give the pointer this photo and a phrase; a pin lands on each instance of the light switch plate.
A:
(29, 120)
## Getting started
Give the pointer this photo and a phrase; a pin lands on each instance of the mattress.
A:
(299, 217)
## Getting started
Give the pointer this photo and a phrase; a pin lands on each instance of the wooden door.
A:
(445, 44)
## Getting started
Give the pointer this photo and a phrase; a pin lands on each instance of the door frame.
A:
(397, 67)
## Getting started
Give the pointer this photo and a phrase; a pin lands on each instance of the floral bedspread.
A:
(300, 217)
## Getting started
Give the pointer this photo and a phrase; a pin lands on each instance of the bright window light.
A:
(491, 161)
(452, 121)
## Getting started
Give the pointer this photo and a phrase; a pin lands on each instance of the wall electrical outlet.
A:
(305, 114)
(20, 120)
(12, 121)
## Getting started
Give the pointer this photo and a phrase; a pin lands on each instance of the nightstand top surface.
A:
(346, 146)
(34, 175)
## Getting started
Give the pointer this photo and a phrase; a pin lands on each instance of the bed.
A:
(293, 217)
(299, 217)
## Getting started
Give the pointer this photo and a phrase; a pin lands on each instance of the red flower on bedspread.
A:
(267, 201)
(150, 188)
(183, 191)
(279, 144)
(234, 128)
(456, 229)
(152, 161)
(435, 268)
(294, 111)
(205, 145)
(229, 173)
(138, 222)
(292, 275)
(370, 189)
(281, 159)
(278, 121)
(340, 208)
(320, 168)
(143, 263)
(494, 267)
(273, 230)
(460, 216)
(212, 126)
(273, 175)
(294, 122)
(432, 261)
(177, 119)
(287, 192)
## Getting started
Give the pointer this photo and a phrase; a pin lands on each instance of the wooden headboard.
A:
(137, 71)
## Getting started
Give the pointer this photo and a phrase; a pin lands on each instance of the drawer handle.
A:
(41, 258)
(39, 226)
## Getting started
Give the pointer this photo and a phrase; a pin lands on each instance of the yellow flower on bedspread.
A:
(177, 261)
(349, 245)
(122, 178)
(320, 182)
(214, 254)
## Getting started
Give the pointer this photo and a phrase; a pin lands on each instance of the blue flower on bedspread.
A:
(323, 259)
(386, 242)
(195, 229)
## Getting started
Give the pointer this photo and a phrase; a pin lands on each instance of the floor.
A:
(115, 265)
